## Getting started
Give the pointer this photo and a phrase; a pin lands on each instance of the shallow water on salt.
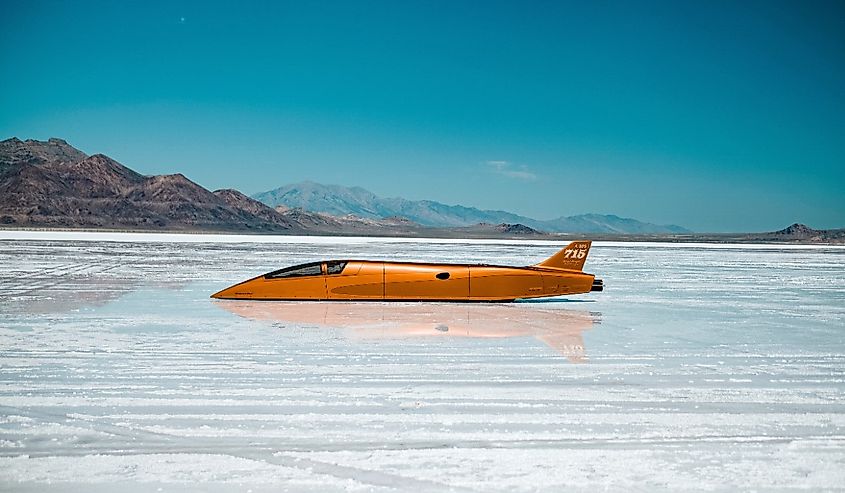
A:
(699, 367)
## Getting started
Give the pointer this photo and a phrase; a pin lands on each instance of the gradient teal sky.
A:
(717, 116)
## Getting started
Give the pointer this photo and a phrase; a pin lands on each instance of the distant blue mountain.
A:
(340, 201)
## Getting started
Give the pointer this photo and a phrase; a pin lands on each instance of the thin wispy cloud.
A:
(508, 169)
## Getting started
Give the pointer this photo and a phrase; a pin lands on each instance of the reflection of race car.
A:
(560, 329)
(404, 281)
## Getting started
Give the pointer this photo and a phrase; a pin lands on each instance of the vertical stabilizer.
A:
(572, 257)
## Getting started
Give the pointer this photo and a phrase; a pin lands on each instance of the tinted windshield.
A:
(296, 271)
(335, 267)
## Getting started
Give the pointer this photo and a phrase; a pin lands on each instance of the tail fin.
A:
(571, 258)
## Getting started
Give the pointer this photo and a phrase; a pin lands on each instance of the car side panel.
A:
(293, 288)
(561, 283)
(358, 281)
(504, 283)
(421, 282)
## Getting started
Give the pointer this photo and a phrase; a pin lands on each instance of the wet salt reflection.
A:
(560, 329)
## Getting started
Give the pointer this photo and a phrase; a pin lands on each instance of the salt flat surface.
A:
(700, 368)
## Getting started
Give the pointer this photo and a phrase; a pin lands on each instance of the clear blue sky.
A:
(718, 116)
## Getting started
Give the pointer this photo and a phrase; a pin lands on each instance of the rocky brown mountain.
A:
(15, 152)
(802, 233)
(241, 202)
(798, 231)
(51, 184)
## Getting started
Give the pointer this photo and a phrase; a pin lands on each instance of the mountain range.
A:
(50, 184)
(341, 200)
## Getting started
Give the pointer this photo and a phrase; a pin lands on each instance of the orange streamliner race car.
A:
(362, 280)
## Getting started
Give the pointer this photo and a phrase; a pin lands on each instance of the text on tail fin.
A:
(572, 257)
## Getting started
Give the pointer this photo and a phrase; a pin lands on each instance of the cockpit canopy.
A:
(332, 267)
